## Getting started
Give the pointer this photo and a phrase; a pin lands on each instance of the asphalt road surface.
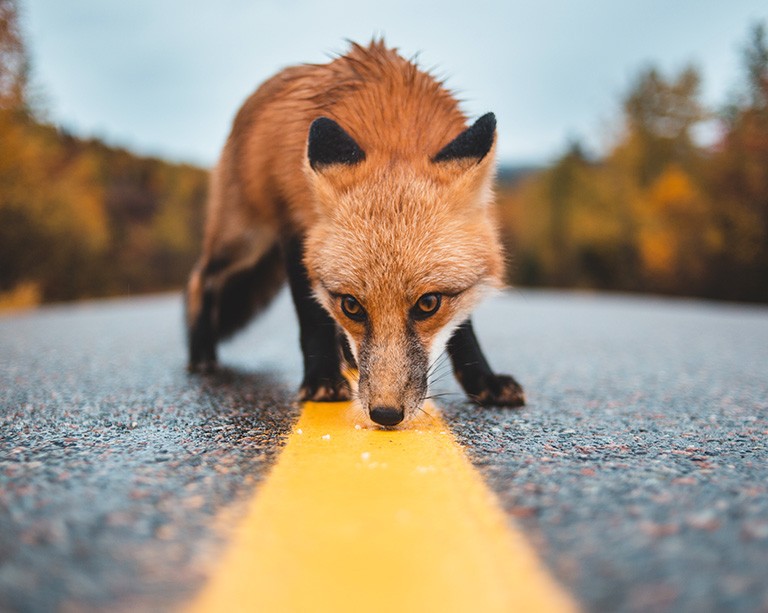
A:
(639, 468)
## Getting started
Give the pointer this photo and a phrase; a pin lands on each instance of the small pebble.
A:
(326, 437)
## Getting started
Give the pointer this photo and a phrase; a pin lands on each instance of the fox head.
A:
(400, 253)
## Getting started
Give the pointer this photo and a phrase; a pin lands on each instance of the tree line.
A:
(659, 212)
(78, 218)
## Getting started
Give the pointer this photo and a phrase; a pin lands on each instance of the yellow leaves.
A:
(677, 229)
(25, 295)
(658, 248)
(608, 225)
(78, 200)
(672, 192)
(659, 211)
(171, 226)
(59, 191)
(80, 219)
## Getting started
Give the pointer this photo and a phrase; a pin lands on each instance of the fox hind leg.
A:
(475, 375)
(323, 381)
(201, 316)
(224, 292)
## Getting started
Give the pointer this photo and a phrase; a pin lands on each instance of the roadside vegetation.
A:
(658, 212)
(79, 218)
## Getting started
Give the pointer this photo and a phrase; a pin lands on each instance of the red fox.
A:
(360, 181)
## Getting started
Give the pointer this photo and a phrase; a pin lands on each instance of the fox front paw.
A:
(494, 390)
(325, 390)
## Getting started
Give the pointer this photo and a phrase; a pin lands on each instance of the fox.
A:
(361, 183)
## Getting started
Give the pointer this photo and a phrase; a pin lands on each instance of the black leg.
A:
(323, 380)
(471, 368)
(201, 331)
(202, 337)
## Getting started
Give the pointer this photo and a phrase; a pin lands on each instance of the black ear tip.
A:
(328, 143)
(487, 121)
(485, 129)
(473, 143)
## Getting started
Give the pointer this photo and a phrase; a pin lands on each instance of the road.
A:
(638, 470)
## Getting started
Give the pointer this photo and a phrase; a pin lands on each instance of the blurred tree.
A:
(678, 234)
(14, 65)
(78, 218)
(654, 172)
(563, 184)
(639, 219)
(661, 114)
(658, 212)
(756, 65)
(739, 181)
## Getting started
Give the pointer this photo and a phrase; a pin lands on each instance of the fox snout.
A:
(393, 380)
(392, 405)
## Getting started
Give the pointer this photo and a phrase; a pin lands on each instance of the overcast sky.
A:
(165, 77)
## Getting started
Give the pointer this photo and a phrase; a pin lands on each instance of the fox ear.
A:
(328, 143)
(473, 143)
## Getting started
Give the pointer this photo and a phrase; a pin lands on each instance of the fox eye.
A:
(352, 308)
(426, 306)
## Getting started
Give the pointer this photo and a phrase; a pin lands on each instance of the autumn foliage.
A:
(658, 212)
(78, 218)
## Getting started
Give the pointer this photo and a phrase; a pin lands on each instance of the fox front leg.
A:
(323, 381)
(473, 372)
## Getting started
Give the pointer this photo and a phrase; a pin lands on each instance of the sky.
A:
(166, 77)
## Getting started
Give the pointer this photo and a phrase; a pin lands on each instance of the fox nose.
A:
(387, 416)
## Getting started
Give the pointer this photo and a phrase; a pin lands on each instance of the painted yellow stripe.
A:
(359, 519)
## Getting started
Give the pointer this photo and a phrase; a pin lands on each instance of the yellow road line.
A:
(359, 519)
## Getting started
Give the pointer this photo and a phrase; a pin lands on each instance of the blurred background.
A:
(633, 136)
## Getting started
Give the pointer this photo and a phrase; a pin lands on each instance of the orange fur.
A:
(386, 230)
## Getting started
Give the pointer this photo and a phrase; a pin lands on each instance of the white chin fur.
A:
(441, 340)
(352, 345)
(442, 337)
